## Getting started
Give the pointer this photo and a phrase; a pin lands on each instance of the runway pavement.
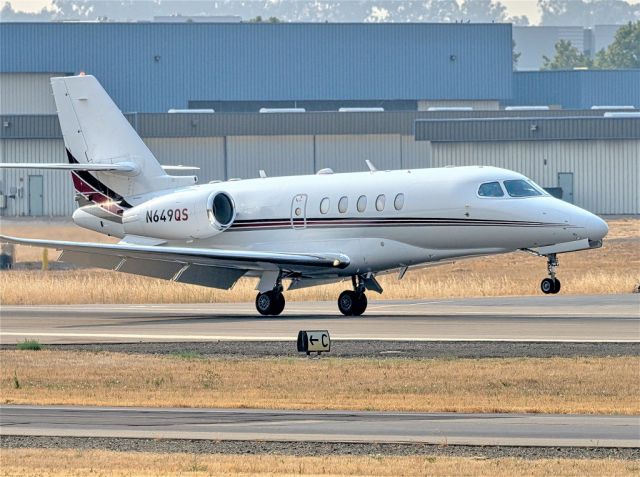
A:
(606, 318)
(323, 426)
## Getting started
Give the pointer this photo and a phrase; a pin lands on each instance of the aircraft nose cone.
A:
(596, 228)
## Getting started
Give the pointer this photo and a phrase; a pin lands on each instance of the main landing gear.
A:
(551, 284)
(350, 302)
(271, 302)
(353, 302)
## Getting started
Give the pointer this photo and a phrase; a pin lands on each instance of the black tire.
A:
(278, 304)
(360, 305)
(346, 302)
(265, 303)
(548, 286)
(556, 287)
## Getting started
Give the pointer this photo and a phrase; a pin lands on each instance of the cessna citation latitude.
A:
(308, 230)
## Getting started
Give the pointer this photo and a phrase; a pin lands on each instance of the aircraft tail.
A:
(97, 135)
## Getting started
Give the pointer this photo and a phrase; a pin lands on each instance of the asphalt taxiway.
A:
(606, 318)
(323, 426)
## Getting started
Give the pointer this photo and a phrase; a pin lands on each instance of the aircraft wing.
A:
(201, 266)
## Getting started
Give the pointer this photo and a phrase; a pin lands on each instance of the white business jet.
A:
(309, 230)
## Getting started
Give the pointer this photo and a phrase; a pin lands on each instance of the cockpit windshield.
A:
(521, 188)
(490, 189)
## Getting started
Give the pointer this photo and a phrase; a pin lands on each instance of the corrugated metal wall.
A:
(606, 173)
(348, 153)
(527, 129)
(207, 153)
(173, 63)
(577, 89)
(277, 155)
(162, 125)
(415, 154)
(57, 187)
(26, 93)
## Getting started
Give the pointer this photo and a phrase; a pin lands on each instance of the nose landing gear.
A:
(353, 302)
(551, 284)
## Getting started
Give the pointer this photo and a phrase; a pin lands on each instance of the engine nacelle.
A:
(83, 218)
(181, 215)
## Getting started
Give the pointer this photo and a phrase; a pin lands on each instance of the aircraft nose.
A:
(596, 228)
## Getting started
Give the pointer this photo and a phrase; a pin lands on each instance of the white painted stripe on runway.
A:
(293, 338)
(373, 310)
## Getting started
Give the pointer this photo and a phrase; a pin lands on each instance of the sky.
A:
(514, 7)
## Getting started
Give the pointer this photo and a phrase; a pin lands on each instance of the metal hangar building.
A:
(416, 95)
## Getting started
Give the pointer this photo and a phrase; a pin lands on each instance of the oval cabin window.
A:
(343, 204)
(324, 205)
(398, 203)
(380, 203)
(362, 203)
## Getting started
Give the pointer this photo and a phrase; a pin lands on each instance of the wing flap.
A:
(208, 276)
(150, 268)
(214, 277)
(109, 262)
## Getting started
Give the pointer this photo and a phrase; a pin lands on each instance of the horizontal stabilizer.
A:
(181, 168)
(123, 167)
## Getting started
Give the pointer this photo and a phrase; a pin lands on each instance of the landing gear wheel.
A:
(361, 304)
(352, 303)
(270, 303)
(279, 304)
(346, 301)
(550, 285)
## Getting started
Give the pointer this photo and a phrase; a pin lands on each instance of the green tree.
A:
(515, 55)
(624, 52)
(567, 57)
(259, 19)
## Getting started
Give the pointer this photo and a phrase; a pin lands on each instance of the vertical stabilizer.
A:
(96, 132)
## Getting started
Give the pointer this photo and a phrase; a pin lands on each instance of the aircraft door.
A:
(299, 211)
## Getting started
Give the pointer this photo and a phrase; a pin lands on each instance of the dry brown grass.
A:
(552, 385)
(70, 462)
(50, 230)
(615, 268)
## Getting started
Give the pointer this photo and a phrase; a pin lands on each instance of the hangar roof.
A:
(256, 124)
(527, 129)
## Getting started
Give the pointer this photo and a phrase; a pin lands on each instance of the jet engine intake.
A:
(221, 210)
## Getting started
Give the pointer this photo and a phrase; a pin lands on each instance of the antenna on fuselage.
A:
(370, 165)
(262, 174)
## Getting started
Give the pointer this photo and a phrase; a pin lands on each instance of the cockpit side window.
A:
(521, 188)
(490, 189)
